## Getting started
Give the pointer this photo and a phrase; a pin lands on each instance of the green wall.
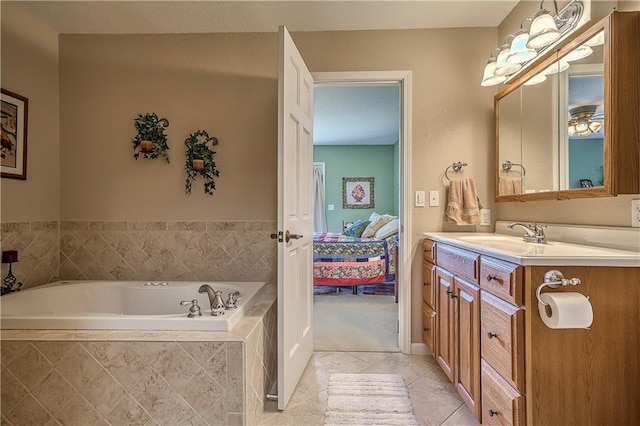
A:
(358, 161)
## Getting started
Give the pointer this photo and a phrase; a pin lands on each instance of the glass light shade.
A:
(543, 30)
(489, 78)
(572, 130)
(596, 40)
(536, 79)
(555, 68)
(519, 52)
(504, 68)
(595, 126)
(580, 52)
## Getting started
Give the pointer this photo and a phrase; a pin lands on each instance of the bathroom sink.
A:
(492, 238)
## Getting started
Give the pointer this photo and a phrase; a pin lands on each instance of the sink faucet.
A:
(533, 232)
(215, 299)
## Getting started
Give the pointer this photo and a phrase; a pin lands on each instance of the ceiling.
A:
(128, 17)
(343, 115)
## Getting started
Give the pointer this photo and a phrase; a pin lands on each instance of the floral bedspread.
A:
(342, 260)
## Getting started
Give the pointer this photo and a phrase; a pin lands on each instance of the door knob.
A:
(289, 236)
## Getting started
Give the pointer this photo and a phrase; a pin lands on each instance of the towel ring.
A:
(456, 168)
(506, 166)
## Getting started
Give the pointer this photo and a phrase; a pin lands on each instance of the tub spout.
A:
(215, 299)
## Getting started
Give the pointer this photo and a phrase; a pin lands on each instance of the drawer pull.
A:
(426, 329)
(493, 278)
(491, 335)
(425, 283)
(449, 292)
(453, 296)
(492, 412)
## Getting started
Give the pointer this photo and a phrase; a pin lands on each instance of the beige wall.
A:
(30, 69)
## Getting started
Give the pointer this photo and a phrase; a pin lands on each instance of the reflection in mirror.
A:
(509, 147)
(582, 101)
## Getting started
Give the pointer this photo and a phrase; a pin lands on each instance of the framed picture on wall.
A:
(357, 193)
(13, 152)
(586, 183)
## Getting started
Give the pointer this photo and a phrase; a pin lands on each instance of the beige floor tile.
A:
(434, 399)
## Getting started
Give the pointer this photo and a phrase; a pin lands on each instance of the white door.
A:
(295, 222)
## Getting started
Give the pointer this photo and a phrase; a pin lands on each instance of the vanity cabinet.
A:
(509, 367)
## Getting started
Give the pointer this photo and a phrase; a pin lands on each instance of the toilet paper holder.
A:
(554, 279)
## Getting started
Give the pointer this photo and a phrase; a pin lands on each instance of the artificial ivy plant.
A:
(200, 161)
(150, 139)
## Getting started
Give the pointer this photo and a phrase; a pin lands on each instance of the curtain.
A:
(319, 214)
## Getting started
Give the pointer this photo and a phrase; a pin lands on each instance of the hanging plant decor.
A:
(150, 140)
(200, 161)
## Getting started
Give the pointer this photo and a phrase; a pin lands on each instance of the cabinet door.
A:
(428, 327)
(428, 289)
(467, 316)
(445, 330)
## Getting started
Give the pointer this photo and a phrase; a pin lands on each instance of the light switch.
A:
(434, 198)
(331, 207)
(419, 201)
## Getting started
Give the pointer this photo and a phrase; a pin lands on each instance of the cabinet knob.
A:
(453, 296)
(492, 412)
(449, 292)
(425, 283)
(426, 329)
(491, 335)
(427, 250)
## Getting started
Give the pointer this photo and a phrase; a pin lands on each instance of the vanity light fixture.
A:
(544, 30)
(526, 46)
(580, 52)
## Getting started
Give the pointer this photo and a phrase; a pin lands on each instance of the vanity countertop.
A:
(555, 253)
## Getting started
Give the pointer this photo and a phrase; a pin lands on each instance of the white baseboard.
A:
(419, 349)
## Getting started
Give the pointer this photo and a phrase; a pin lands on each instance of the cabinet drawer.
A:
(428, 327)
(428, 289)
(503, 279)
(429, 250)
(501, 404)
(502, 338)
(459, 262)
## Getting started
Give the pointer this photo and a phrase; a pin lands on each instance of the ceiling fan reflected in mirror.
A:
(584, 121)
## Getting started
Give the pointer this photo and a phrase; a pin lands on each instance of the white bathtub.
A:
(126, 305)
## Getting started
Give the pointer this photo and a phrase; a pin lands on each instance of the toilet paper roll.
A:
(565, 310)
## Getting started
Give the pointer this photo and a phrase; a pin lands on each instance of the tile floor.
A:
(434, 399)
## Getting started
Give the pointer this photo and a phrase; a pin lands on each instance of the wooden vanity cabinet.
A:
(428, 296)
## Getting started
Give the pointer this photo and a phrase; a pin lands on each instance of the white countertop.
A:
(554, 253)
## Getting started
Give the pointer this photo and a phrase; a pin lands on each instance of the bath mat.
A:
(368, 399)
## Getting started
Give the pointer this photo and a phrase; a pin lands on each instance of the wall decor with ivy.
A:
(200, 161)
(150, 139)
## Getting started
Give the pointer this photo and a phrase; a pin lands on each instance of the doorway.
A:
(375, 316)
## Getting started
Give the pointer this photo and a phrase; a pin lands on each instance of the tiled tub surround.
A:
(87, 378)
(124, 251)
(38, 245)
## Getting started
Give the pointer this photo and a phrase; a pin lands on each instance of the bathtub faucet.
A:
(215, 299)
(233, 299)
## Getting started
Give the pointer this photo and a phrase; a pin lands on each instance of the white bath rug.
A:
(368, 399)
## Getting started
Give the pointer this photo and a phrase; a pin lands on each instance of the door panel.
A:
(295, 172)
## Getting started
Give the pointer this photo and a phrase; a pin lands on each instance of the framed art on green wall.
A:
(357, 193)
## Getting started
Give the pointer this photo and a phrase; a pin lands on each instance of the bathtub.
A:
(125, 305)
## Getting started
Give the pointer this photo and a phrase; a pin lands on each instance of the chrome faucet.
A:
(233, 299)
(533, 232)
(215, 299)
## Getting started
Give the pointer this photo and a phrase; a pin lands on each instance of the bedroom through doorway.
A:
(357, 205)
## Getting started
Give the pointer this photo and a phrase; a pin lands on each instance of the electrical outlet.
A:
(635, 213)
(419, 201)
(485, 217)
(434, 198)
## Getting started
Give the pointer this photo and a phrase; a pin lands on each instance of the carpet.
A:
(355, 323)
(368, 399)
(379, 289)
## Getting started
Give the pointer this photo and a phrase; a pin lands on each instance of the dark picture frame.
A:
(14, 123)
(358, 193)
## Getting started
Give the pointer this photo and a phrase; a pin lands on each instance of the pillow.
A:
(388, 229)
(376, 224)
(356, 229)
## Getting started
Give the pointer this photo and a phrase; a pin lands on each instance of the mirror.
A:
(550, 125)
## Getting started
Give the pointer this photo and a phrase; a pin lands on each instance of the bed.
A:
(342, 260)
